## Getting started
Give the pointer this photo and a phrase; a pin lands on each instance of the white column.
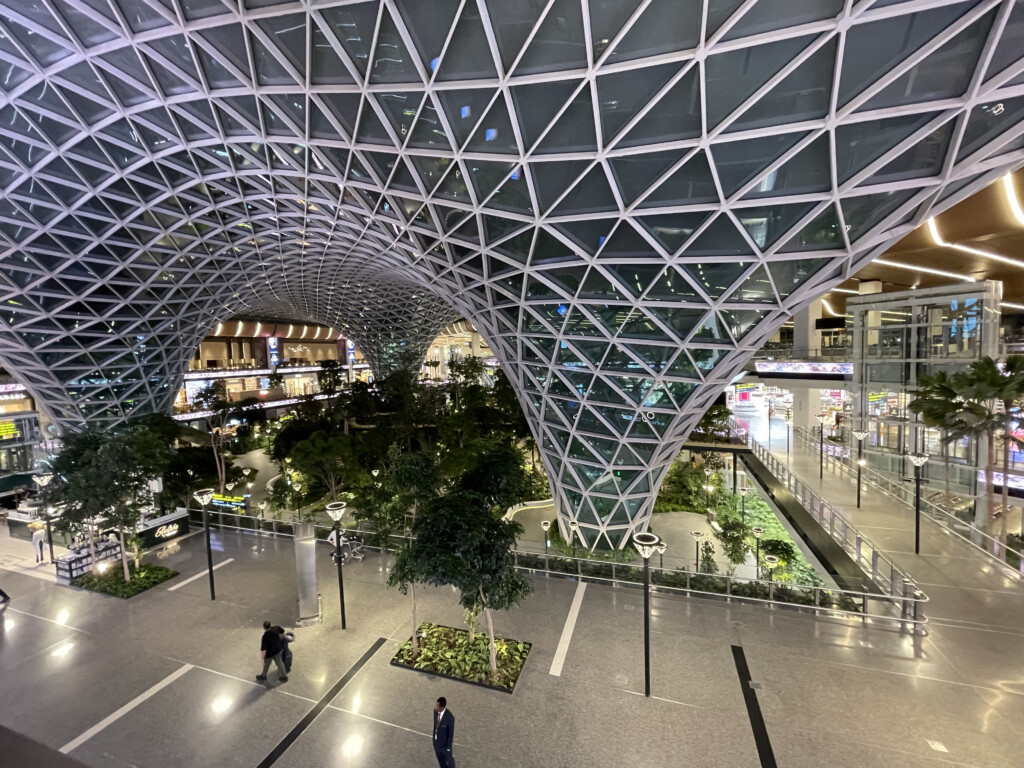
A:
(805, 335)
(806, 407)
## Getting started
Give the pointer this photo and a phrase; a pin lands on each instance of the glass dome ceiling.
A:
(624, 196)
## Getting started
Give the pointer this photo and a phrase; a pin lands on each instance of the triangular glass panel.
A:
(449, 218)
(606, 20)
(675, 117)
(680, 391)
(468, 231)
(860, 144)
(623, 94)
(678, 320)
(343, 106)
(550, 180)
(392, 62)
(790, 275)
(269, 70)
(772, 15)
(513, 195)
(712, 330)
(468, 56)
(682, 367)
(654, 357)
(984, 124)
(891, 41)
(497, 227)
(766, 225)
(591, 351)
(592, 194)
(548, 249)
(742, 321)
(354, 25)
(431, 170)
(495, 134)
(578, 323)
(738, 162)
(589, 233)
(735, 76)
(690, 185)
(666, 26)
(429, 25)
(288, 33)
(488, 176)
(517, 247)
(559, 44)
(217, 75)
(636, 278)
(401, 108)
(320, 126)
(671, 286)
(821, 234)
(627, 243)
(636, 173)
(804, 94)
(756, 288)
(403, 179)
(721, 238)
(464, 107)
(673, 229)
(429, 133)
(574, 131)
(371, 129)
(512, 24)
(326, 66)
(716, 278)
(537, 104)
(598, 286)
(537, 288)
(639, 326)
(925, 158)
(806, 172)
(867, 211)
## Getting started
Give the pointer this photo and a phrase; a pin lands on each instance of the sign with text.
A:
(9, 430)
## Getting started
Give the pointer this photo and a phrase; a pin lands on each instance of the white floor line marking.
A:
(199, 575)
(570, 625)
(9, 609)
(114, 717)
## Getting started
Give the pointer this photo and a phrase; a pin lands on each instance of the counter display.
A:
(160, 529)
(75, 563)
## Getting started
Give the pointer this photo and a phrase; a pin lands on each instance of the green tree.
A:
(497, 473)
(713, 426)
(459, 542)
(105, 474)
(330, 377)
(326, 458)
(219, 411)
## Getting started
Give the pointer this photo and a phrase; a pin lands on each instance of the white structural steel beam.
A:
(626, 197)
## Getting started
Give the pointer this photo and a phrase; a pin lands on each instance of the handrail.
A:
(868, 556)
(964, 529)
(905, 610)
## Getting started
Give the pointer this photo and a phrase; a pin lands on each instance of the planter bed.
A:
(112, 582)
(447, 652)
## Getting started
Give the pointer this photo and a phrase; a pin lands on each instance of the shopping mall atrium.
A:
(640, 376)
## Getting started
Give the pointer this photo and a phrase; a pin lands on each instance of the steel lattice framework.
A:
(626, 197)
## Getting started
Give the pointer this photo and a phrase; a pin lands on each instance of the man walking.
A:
(444, 732)
(38, 543)
(270, 651)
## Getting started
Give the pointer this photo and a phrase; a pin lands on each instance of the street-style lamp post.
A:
(758, 532)
(545, 526)
(789, 434)
(697, 536)
(574, 529)
(204, 497)
(43, 480)
(336, 510)
(918, 460)
(708, 487)
(661, 554)
(860, 434)
(743, 505)
(771, 561)
(823, 418)
(646, 544)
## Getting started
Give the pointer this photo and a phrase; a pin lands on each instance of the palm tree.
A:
(937, 403)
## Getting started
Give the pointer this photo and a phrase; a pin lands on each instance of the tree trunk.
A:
(415, 627)
(124, 557)
(990, 493)
(945, 462)
(92, 543)
(1006, 492)
(490, 632)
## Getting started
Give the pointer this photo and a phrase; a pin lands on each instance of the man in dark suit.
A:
(444, 732)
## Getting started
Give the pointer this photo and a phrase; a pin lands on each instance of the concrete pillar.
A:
(474, 344)
(805, 335)
(305, 574)
(874, 319)
(806, 407)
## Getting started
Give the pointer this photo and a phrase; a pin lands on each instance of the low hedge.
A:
(112, 582)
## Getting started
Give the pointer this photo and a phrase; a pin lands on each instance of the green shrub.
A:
(449, 651)
(112, 582)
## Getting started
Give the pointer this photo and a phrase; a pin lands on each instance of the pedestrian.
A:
(444, 733)
(270, 651)
(39, 542)
(287, 638)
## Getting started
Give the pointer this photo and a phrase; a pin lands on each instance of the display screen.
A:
(803, 368)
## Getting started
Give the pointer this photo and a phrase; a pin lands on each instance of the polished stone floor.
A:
(165, 680)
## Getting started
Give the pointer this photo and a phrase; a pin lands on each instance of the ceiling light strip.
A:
(925, 270)
(933, 230)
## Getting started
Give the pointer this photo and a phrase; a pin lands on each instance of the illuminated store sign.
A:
(8, 430)
(222, 500)
(795, 368)
(275, 356)
(167, 531)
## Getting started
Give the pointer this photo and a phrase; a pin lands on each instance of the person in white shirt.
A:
(39, 543)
